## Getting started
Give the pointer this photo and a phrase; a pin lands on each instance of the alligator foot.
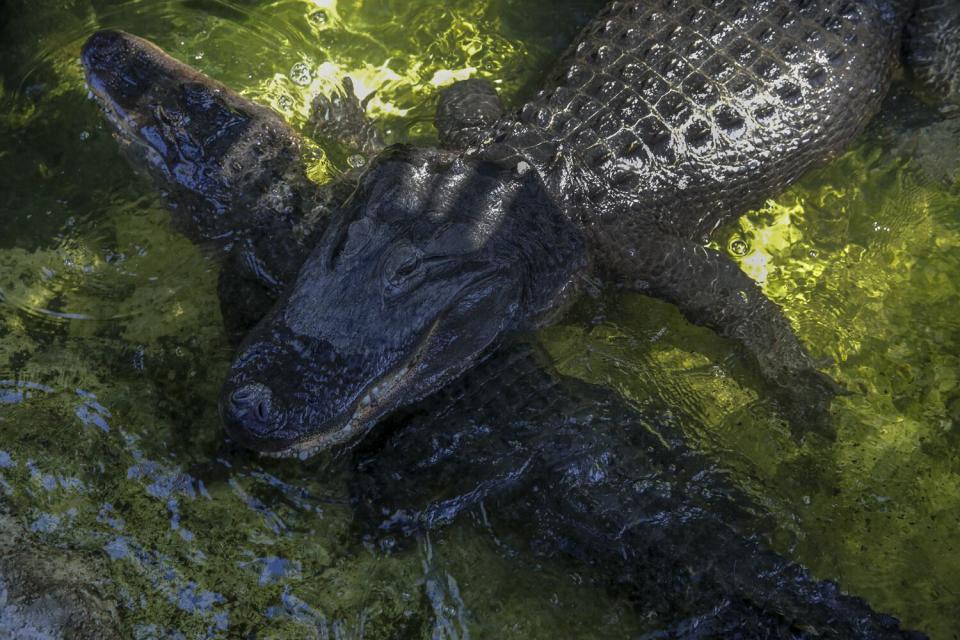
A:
(341, 118)
(711, 290)
(466, 112)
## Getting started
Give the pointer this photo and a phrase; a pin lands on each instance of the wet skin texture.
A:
(390, 286)
(229, 169)
(567, 469)
(663, 121)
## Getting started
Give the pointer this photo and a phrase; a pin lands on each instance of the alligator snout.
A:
(103, 49)
(248, 410)
(122, 70)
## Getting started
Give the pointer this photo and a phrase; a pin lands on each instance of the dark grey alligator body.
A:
(676, 116)
(665, 119)
(563, 468)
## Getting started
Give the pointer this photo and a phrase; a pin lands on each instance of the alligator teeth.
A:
(310, 447)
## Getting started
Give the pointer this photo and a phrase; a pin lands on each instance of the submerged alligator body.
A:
(663, 121)
(567, 470)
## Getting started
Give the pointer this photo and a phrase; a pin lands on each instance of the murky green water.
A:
(112, 351)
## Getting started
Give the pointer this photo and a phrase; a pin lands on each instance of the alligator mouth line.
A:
(123, 126)
(364, 410)
(126, 133)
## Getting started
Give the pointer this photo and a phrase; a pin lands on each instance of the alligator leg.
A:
(466, 113)
(341, 118)
(569, 469)
(711, 290)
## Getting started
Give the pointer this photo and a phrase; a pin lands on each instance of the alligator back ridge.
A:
(686, 112)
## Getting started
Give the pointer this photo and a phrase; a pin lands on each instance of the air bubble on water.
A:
(319, 18)
(285, 102)
(198, 55)
(84, 135)
(739, 247)
(356, 161)
(300, 74)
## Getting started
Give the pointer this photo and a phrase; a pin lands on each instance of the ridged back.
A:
(684, 112)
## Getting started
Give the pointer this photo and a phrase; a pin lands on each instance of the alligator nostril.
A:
(248, 411)
(241, 397)
(252, 402)
(99, 47)
(263, 410)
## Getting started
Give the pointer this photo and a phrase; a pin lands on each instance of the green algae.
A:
(112, 350)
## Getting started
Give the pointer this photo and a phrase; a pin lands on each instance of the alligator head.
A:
(225, 164)
(422, 272)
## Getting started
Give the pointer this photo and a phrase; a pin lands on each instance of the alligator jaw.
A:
(367, 411)
(363, 419)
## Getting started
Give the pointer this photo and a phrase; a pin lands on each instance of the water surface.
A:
(112, 349)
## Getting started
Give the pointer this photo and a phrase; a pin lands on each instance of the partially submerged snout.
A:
(293, 394)
(420, 275)
(122, 70)
(226, 163)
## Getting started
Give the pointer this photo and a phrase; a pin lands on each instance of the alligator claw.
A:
(341, 117)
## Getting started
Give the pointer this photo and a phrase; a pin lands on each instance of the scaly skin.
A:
(666, 119)
(564, 468)
(678, 116)
(230, 169)
(933, 48)
(671, 118)
(663, 121)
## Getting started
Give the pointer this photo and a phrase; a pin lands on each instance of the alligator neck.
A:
(524, 146)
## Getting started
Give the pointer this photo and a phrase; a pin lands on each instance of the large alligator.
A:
(666, 119)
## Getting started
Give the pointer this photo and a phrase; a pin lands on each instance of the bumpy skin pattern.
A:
(670, 117)
(341, 116)
(680, 114)
(432, 256)
(226, 165)
(664, 120)
(568, 469)
(466, 112)
(601, 482)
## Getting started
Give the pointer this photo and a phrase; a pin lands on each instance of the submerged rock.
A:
(50, 594)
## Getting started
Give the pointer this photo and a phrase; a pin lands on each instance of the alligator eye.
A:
(402, 268)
